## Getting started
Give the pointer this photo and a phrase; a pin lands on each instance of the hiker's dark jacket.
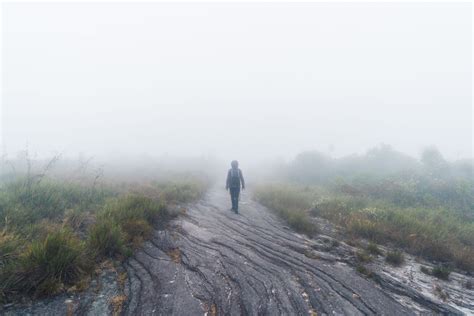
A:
(235, 179)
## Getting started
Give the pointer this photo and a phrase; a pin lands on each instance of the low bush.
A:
(441, 272)
(181, 191)
(137, 231)
(290, 204)
(285, 196)
(123, 224)
(300, 221)
(363, 257)
(46, 265)
(373, 249)
(10, 246)
(23, 202)
(106, 239)
(395, 258)
(132, 207)
(364, 270)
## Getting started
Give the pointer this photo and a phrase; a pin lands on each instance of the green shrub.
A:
(290, 204)
(10, 247)
(364, 270)
(301, 222)
(184, 189)
(75, 218)
(137, 230)
(133, 207)
(60, 255)
(106, 239)
(46, 265)
(441, 272)
(395, 258)
(124, 223)
(363, 257)
(24, 203)
(374, 249)
(282, 197)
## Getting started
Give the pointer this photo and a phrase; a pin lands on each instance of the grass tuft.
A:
(441, 272)
(290, 205)
(373, 249)
(395, 258)
(364, 270)
(106, 239)
(363, 257)
(46, 265)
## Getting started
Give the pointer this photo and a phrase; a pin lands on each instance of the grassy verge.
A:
(433, 232)
(290, 203)
(53, 233)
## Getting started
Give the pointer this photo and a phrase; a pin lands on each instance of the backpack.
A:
(234, 178)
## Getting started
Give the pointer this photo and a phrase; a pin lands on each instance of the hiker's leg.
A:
(232, 197)
(237, 193)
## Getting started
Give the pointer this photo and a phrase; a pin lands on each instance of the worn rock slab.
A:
(246, 264)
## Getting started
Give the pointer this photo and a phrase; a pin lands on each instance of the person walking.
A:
(235, 180)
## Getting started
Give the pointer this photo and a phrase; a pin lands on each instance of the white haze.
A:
(236, 81)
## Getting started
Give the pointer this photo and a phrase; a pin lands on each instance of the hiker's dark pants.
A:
(234, 196)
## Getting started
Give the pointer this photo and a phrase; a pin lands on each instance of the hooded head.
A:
(234, 164)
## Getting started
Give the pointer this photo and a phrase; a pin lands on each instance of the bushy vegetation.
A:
(363, 257)
(23, 204)
(53, 232)
(395, 258)
(45, 266)
(439, 271)
(183, 189)
(373, 249)
(290, 204)
(425, 207)
(124, 223)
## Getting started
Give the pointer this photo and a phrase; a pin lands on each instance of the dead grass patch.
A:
(175, 255)
(116, 303)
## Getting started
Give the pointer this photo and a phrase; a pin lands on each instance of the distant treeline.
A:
(315, 167)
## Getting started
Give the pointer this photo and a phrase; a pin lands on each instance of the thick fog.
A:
(236, 81)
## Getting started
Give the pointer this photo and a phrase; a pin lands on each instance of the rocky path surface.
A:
(214, 262)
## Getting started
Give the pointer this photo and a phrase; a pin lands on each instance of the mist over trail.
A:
(236, 81)
(352, 124)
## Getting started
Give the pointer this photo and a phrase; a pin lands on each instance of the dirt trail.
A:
(251, 264)
(214, 262)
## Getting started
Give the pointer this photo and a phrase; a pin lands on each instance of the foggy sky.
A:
(239, 81)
